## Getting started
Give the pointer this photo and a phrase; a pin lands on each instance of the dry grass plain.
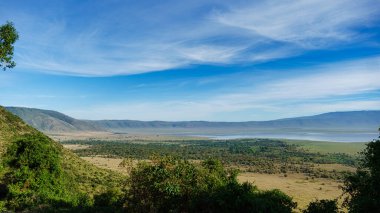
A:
(107, 163)
(302, 189)
(109, 136)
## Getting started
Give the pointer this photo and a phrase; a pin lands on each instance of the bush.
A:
(110, 198)
(363, 187)
(322, 206)
(173, 185)
(35, 175)
(235, 197)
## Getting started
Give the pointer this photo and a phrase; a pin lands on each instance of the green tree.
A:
(322, 206)
(34, 175)
(173, 185)
(8, 36)
(363, 187)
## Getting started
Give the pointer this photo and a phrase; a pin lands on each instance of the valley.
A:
(351, 126)
(305, 170)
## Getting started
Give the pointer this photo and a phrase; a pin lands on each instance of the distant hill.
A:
(361, 120)
(52, 121)
(352, 119)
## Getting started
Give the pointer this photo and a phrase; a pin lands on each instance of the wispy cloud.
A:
(310, 24)
(320, 89)
(130, 39)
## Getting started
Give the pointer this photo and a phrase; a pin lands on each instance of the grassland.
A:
(110, 136)
(300, 187)
(329, 147)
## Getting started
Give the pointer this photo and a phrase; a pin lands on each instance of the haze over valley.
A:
(354, 126)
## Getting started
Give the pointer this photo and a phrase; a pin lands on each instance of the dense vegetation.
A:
(174, 185)
(363, 187)
(37, 173)
(254, 155)
(34, 176)
(322, 206)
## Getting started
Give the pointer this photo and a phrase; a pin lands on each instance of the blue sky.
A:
(194, 60)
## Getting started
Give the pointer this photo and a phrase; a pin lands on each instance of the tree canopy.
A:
(8, 36)
(363, 187)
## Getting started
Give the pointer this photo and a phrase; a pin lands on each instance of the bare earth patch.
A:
(76, 146)
(111, 163)
(337, 167)
(106, 163)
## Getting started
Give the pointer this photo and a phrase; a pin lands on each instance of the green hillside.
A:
(47, 171)
(10, 127)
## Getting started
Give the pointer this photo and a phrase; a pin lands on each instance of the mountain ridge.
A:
(53, 121)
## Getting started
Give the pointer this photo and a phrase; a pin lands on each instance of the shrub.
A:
(110, 198)
(173, 185)
(34, 175)
(363, 187)
(322, 206)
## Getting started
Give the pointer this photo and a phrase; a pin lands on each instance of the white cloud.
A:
(322, 89)
(332, 80)
(176, 34)
(328, 81)
(310, 24)
(209, 54)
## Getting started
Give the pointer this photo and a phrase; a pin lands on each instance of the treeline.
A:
(253, 155)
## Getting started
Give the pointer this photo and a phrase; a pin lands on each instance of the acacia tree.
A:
(8, 36)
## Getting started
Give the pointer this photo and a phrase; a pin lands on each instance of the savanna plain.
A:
(305, 170)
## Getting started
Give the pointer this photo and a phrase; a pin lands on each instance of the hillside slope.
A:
(84, 174)
(11, 127)
(52, 121)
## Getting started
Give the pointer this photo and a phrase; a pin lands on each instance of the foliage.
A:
(110, 198)
(363, 187)
(8, 36)
(34, 175)
(172, 185)
(322, 206)
(235, 197)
